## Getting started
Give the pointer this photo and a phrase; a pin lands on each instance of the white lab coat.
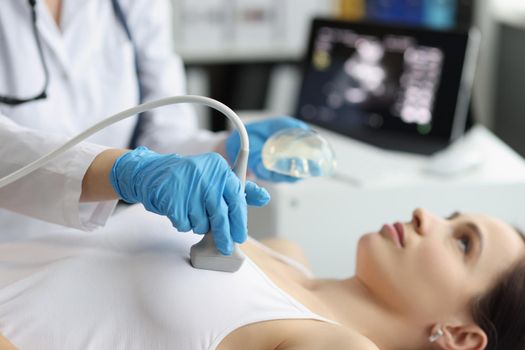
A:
(92, 76)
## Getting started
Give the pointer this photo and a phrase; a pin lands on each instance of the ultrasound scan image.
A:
(371, 82)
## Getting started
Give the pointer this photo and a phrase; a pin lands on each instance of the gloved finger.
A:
(314, 168)
(261, 172)
(255, 195)
(179, 218)
(296, 165)
(217, 210)
(237, 210)
(292, 165)
(264, 174)
(199, 219)
(181, 224)
(276, 177)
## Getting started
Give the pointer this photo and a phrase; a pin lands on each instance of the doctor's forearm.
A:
(95, 184)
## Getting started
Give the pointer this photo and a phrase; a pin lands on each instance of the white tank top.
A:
(129, 286)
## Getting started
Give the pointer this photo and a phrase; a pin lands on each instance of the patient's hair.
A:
(501, 311)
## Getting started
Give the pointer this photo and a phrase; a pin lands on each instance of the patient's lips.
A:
(400, 228)
(395, 232)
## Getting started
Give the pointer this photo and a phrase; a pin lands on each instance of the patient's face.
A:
(439, 265)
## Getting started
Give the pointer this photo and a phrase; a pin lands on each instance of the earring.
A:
(436, 335)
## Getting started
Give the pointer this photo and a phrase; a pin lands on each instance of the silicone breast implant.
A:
(299, 153)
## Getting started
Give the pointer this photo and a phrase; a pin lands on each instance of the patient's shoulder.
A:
(340, 338)
(328, 336)
(302, 334)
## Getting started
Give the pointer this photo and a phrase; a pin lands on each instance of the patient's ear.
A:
(465, 337)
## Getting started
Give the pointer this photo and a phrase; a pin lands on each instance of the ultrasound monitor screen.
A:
(362, 80)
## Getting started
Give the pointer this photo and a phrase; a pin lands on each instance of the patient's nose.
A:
(420, 221)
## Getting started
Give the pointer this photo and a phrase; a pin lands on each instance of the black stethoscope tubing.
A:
(14, 101)
(119, 14)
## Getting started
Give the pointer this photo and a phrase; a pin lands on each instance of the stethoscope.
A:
(14, 101)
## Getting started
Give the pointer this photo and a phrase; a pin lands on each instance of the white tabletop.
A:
(369, 166)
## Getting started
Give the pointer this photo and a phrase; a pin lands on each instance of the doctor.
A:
(64, 65)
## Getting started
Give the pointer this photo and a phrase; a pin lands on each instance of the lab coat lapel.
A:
(71, 9)
(51, 35)
(80, 33)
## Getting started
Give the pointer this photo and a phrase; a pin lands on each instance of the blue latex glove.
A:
(196, 193)
(259, 132)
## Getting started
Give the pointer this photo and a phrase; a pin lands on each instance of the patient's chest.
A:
(128, 290)
(92, 299)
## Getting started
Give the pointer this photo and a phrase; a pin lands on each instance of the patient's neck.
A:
(356, 307)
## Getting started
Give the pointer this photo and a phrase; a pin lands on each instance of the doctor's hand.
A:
(197, 193)
(259, 132)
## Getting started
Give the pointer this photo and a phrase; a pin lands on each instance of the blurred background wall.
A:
(248, 53)
(499, 94)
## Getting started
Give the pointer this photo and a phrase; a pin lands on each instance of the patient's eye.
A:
(464, 242)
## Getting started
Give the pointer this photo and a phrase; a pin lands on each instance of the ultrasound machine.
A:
(396, 87)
